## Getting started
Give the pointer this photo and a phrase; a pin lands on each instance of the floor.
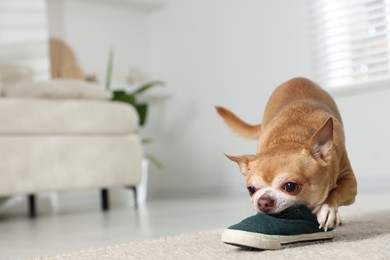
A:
(68, 230)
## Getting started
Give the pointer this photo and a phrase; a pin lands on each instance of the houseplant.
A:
(131, 98)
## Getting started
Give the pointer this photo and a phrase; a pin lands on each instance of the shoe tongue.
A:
(297, 212)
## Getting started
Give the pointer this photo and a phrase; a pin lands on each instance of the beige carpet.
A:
(365, 235)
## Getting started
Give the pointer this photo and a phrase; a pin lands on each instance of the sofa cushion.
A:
(33, 164)
(41, 116)
(57, 89)
(14, 73)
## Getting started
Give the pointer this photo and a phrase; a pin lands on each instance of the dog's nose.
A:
(266, 203)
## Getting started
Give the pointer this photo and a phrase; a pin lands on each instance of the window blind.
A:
(350, 41)
(24, 35)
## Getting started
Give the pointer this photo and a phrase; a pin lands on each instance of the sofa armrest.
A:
(66, 117)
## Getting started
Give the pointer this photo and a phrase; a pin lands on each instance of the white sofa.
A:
(60, 139)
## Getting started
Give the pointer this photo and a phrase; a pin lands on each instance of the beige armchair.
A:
(64, 135)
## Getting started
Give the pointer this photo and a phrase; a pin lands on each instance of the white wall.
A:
(367, 137)
(92, 28)
(23, 35)
(212, 52)
(216, 52)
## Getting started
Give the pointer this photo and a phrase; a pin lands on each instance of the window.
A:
(351, 41)
(24, 35)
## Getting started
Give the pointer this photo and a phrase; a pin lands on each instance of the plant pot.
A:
(142, 188)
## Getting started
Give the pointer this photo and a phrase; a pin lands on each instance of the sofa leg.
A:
(32, 206)
(134, 188)
(105, 199)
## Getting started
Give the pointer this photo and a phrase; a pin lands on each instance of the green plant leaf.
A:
(147, 140)
(122, 96)
(142, 110)
(110, 65)
(153, 160)
(130, 98)
(147, 86)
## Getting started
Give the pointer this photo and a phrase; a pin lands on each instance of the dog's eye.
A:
(251, 190)
(291, 187)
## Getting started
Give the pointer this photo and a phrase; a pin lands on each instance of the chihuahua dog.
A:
(301, 156)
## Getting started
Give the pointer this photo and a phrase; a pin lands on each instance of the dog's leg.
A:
(343, 194)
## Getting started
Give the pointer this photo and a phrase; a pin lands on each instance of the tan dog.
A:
(301, 156)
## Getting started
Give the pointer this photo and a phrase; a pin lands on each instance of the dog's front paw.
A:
(328, 217)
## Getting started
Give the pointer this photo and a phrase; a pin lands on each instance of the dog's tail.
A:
(237, 125)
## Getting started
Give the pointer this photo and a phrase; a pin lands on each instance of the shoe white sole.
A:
(263, 241)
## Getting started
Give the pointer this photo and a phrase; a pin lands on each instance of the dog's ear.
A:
(320, 144)
(243, 161)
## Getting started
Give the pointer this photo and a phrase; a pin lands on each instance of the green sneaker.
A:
(294, 224)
